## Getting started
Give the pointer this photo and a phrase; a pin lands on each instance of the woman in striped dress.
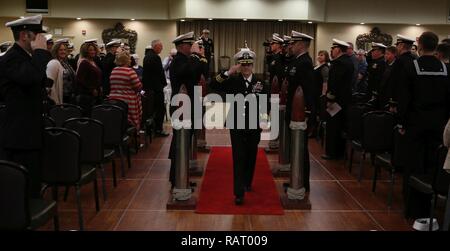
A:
(126, 86)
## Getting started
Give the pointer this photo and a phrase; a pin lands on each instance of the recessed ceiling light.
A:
(310, 22)
(418, 24)
(182, 20)
(78, 18)
(280, 20)
(362, 23)
(245, 19)
(210, 19)
(132, 19)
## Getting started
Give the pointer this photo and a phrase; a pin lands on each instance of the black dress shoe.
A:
(327, 157)
(239, 201)
(162, 134)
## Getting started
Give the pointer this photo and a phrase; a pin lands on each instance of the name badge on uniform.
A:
(293, 71)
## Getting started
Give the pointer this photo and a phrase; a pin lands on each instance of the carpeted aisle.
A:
(216, 194)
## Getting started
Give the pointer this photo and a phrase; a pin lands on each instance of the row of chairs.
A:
(371, 131)
(72, 154)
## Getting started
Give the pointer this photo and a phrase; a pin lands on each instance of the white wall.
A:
(147, 31)
(330, 11)
(110, 9)
(316, 10)
(251, 9)
(387, 11)
(177, 9)
(349, 32)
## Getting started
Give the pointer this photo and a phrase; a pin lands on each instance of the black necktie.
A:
(247, 83)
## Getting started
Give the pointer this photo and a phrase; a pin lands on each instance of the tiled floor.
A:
(338, 200)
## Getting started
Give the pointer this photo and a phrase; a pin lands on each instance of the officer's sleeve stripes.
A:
(220, 78)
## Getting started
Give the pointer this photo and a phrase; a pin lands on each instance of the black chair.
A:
(377, 139)
(17, 210)
(61, 165)
(92, 146)
(111, 117)
(48, 121)
(360, 97)
(2, 112)
(354, 132)
(128, 129)
(323, 116)
(435, 183)
(63, 112)
(2, 118)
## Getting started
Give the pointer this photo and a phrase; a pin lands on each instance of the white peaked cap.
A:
(298, 36)
(276, 38)
(185, 38)
(114, 42)
(62, 40)
(245, 56)
(405, 39)
(92, 40)
(337, 42)
(25, 21)
(379, 45)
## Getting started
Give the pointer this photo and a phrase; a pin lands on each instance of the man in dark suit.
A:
(245, 133)
(375, 71)
(339, 93)
(108, 64)
(423, 108)
(154, 81)
(301, 73)
(387, 84)
(22, 78)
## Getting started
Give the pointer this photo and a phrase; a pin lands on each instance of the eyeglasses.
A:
(246, 64)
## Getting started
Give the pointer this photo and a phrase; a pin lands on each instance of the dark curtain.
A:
(229, 36)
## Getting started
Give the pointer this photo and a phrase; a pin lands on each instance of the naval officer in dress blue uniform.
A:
(244, 141)
(22, 80)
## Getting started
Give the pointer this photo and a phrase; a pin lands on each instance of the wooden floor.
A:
(339, 201)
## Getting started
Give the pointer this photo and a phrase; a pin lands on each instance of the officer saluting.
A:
(22, 78)
(244, 141)
(181, 71)
(276, 61)
(301, 73)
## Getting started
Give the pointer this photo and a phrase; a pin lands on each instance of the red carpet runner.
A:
(216, 194)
